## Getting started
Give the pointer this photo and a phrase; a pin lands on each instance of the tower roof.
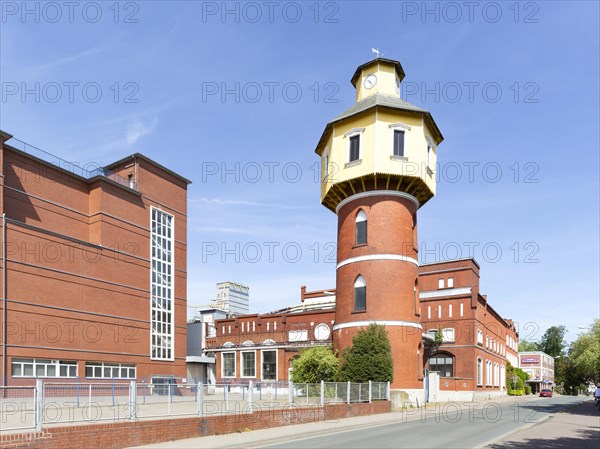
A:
(396, 64)
(381, 101)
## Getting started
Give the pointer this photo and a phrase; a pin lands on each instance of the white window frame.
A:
(102, 366)
(428, 312)
(462, 309)
(242, 367)
(354, 132)
(448, 335)
(449, 310)
(479, 337)
(262, 358)
(440, 283)
(405, 129)
(479, 371)
(450, 282)
(156, 326)
(439, 311)
(45, 363)
(223, 376)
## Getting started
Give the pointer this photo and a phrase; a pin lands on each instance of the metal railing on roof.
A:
(89, 171)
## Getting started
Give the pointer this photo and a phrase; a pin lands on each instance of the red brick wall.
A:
(121, 435)
(389, 283)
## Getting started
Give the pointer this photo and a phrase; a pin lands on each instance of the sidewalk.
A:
(279, 434)
(576, 427)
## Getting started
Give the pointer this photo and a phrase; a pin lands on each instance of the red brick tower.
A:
(378, 160)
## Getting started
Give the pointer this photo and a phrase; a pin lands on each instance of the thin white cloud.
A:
(137, 128)
(66, 60)
(223, 202)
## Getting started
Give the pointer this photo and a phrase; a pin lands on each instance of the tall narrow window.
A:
(269, 365)
(249, 364)
(429, 147)
(162, 318)
(361, 228)
(354, 148)
(326, 164)
(416, 298)
(398, 142)
(360, 294)
(450, 282)
(441, 283)
(228, 364)
(479, 372)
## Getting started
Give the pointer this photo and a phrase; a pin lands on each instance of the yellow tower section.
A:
(380, 143)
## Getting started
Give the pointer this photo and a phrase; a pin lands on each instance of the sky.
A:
(235, 96)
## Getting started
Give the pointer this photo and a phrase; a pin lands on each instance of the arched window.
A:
(479, 371)
(360, 294)
(361, 228)
(416, 297)
(442, 363)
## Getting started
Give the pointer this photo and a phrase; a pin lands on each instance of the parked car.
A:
(546, 393)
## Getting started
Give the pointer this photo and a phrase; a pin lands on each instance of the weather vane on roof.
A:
(376, 52)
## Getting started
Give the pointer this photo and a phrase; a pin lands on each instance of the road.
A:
(456, 426)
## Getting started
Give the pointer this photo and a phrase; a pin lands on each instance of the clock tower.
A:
(378, 159)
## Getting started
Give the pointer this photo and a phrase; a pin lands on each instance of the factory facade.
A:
(93, 268)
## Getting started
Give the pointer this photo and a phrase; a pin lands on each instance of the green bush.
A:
(516, 392)
(527, 389)
(369, 357)
(314, 365)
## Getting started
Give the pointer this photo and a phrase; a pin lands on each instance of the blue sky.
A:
(237, 102)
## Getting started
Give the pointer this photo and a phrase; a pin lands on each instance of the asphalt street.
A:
(454, 426)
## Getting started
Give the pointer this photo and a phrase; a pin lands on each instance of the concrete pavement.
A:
(301, 434)
(577, 426)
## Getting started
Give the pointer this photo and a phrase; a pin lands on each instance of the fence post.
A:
(348, 393)
(170, 385)
(370, 392)
(290, 393)
(250, 395)
(387, 391)
(200, 399)
(39, 401)
(226, 394)
(132, 400)
(322, 393)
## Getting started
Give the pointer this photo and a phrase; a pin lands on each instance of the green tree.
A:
(553, 341)
(314, 365)
(584, 355)
(511, 372)
(525, 346)
(369, 357)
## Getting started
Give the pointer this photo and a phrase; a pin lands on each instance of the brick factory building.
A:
(471, 360)
(93, 268)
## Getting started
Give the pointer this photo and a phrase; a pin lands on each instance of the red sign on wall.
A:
(530, 359)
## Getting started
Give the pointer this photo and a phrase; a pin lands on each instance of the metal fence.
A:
(51, 403)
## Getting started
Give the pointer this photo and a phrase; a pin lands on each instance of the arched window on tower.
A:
(360, 294)
(361, 227)
(416, 297)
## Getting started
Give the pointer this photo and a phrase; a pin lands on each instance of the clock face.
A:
(370, 81)
(322, 332)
